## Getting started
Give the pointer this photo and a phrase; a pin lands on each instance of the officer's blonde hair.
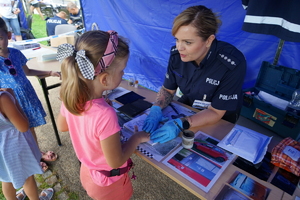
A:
(202, 18)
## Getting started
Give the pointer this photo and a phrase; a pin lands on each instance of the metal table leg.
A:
(45, 91)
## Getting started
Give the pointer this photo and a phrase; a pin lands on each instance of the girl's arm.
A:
(13, 113)
(9, 90)
(34, 72)
(116, 154)
(62, 124)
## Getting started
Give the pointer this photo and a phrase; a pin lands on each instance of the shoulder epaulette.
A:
(228, 60)
(174, 50)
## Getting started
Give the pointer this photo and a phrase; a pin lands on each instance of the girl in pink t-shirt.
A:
(95, 65)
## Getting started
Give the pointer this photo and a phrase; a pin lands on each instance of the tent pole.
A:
(278, 52)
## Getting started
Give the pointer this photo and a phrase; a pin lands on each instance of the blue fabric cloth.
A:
(268, 17)
(22, 87)
(52, 23)
(19, 154)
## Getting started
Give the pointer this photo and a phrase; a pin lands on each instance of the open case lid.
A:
(277, 80)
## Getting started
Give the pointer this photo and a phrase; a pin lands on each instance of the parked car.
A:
(212, 150)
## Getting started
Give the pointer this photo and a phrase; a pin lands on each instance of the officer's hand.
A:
(167, 132)
(152, 121)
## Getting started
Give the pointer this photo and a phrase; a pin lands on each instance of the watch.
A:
(185, 124)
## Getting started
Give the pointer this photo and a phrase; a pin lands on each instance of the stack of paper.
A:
(246, 143)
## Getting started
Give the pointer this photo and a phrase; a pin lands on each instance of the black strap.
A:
(119, 171)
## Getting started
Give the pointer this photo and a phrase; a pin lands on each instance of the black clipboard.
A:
(134, 108)
(129, 98)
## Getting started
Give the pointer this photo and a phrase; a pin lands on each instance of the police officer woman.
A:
(208, 72)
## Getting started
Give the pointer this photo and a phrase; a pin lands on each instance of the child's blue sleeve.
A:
(23, 59)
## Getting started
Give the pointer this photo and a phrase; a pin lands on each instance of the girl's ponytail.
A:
(74, 89)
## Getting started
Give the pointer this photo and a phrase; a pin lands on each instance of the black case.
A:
(278, 81)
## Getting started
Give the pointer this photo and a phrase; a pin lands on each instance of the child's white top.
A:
(19, 153)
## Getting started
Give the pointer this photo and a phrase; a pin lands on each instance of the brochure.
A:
(203, 164)
(249, 187)
(228, 193)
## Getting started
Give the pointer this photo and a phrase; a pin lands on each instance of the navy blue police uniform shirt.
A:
(220, 76)
(76, 18)
(52, 23)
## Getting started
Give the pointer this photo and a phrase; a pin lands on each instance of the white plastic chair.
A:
(64, 28)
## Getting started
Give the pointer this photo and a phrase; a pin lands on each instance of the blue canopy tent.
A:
(22, 16)
(147, 26)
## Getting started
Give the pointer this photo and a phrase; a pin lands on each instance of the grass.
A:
(39, 28)
(1, 193)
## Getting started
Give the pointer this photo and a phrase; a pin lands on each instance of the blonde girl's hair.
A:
(75, 89)
(203, 19)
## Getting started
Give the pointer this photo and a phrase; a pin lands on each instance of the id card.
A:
(201, 104)
(292, 153)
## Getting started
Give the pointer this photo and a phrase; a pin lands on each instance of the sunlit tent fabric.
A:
(147, 25)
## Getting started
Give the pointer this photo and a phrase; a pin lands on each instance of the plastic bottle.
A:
(15, 6)
(294, 104)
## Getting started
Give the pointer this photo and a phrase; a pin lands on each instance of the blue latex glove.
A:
(152, 121)
(167, 132)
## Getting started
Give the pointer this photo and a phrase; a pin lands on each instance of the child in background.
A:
(13, 71)
(95, 65)
(20, 155)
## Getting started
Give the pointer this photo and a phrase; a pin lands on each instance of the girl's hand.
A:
(142, 135)
(57, 74)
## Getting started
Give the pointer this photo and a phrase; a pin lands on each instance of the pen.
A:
(173, 107)
(36, 48)
(177, 73)
(179, 126)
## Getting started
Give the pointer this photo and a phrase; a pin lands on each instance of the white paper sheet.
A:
(274, 101)
(246, 143)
